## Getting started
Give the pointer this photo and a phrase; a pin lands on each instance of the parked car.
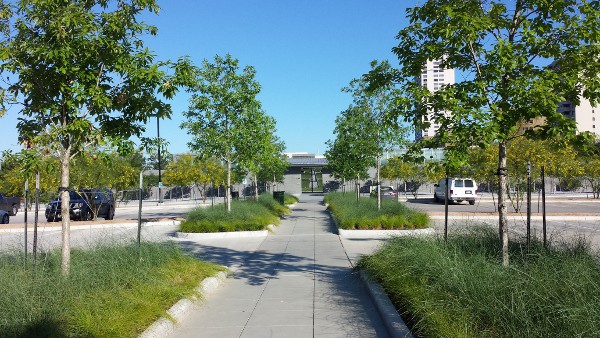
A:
(84, 205)
(10, 204)
(459, 189)
(386, 192)
(4, 218)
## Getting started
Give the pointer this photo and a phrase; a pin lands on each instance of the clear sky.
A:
(304, 52)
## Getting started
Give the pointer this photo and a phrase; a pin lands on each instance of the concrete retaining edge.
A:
(220, 235)
(384, 233)
(520, 217)
(391, 319)
(90, 225)
(163, 327)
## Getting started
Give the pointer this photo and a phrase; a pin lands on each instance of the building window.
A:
(567, 105)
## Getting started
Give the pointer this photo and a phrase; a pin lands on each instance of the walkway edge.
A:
(391, 319)
(377, 234)
(163, 327)
(219, 235)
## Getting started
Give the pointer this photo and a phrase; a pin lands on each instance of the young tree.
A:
(351, 154)
(192, 170)
(221, 111)
(378, 104)
(81, 74)
(263, 156)
(504, 50)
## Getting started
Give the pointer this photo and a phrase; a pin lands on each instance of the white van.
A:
(459, 189)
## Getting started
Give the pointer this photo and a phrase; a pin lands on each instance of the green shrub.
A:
(363, 214)
(289, 199)
(270, 203)
(461, 289)
(112, 291)
(245, 215)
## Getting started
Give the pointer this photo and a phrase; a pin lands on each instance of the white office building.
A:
(586, 115)
(433, 76)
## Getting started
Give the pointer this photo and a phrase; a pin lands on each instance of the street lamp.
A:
(160, 200)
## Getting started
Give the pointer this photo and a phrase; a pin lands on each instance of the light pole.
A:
(160, 200)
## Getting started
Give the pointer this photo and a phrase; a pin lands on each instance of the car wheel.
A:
(111, 214)
(5, 219)
(86, 216)
(472, 202)
(13, 210)
(49, 219)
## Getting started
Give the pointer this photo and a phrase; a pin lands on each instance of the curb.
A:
(391, 319)
(91, 225)
(376, 234)
(163, 327)
(220, 235)
(520, 217)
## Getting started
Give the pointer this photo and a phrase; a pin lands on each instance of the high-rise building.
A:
(585, 115)
(433, 76)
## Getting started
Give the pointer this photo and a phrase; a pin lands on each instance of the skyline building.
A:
(433, 77)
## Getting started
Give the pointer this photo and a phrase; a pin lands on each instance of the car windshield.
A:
(386, 188)
(469, 183)
(458, 183)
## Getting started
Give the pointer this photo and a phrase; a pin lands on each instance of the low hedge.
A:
(247, 215)
(363, 214)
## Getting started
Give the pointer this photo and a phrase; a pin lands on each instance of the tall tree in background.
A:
(263, 156)
(80, 74)
(504, 50)
(351, 153)
(378, 103)
(221, 110)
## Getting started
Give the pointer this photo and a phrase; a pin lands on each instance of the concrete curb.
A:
(520, 217)
(220, 235)
(391, 319)
(384, 233)
(91, 225)
(163, 327)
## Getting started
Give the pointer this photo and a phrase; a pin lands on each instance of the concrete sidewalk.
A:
(297, 283)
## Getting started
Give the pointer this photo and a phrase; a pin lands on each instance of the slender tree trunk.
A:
(502, 196)
(227, 187)
(255, 188)
(357, 187)
(378, 183)
(64, 212)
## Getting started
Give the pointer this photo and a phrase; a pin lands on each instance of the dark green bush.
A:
(461, 289)
(245, 215)
(363, 214)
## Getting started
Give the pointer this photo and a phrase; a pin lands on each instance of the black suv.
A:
(86, 204)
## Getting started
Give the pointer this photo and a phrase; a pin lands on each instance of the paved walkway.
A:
(297, 283)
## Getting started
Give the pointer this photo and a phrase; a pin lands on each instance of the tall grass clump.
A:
(289, 199)
(461, 289)
(245, 215)
(270, 203)
(363, 214)
(112, 291)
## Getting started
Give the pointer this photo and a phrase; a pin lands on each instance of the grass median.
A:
(461, 289)
(363, 214)
(247, 215)
(112, 291)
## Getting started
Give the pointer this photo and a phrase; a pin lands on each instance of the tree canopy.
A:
(517, 61)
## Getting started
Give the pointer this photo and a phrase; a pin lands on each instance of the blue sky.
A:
(304, 52)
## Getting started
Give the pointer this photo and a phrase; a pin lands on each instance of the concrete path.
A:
(297, 283)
